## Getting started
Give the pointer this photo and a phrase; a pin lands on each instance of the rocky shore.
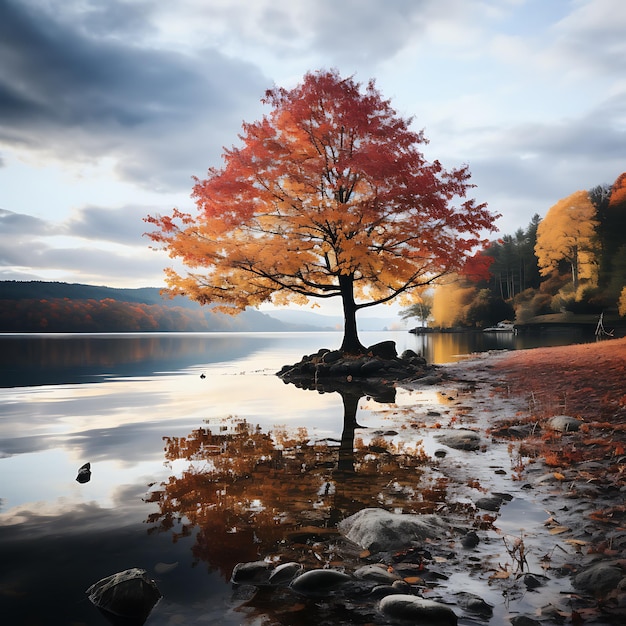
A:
(524, 513)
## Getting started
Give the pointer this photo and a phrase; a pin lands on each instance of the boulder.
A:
(319, 582)
(417, 610)
(378, 530)
(599, 579)
(564, 423)
(128, 595)
(384, 350)
(460, 439)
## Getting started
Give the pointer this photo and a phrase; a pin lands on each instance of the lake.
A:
(154, 415)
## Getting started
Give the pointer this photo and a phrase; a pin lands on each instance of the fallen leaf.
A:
(412, 580)
(557, 530)
(576, 542)
(559, 476)
(500, 574)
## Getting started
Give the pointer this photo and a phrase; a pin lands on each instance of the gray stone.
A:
(376, 573)
(522, 620)
(251, 573)
(564, 423)
(460, 439)
(319, 582)
(418, 610)
(379, 530)
(474, 604)
(598, 579)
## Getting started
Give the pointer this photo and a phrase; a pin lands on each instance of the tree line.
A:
(571, 260)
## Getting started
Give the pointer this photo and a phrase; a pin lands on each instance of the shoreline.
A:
(567, 486)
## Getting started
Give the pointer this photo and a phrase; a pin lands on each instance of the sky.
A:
(109, 108)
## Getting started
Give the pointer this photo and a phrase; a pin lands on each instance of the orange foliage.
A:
(329, 196)
(567, 233)
(618, 191)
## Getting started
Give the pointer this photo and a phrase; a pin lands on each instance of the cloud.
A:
(123, 225)
(16, 224)
(591, 38)
(98, 246)
(75, 94)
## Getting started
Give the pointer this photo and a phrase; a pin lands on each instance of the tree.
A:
(420, 309)
(612, 225)
(514, 267)
(568, 233)
(328, 197)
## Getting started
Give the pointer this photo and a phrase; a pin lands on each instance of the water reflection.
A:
(32, 360)
(244, 489)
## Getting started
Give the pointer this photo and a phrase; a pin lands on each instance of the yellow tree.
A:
(568, 234)
(328, 197)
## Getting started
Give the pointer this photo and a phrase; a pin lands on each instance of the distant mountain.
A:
(41, 306)
(39, 289)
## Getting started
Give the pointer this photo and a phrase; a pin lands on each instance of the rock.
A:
(376, 573)
(460, 439)
(493, 502)
(564, 423)
(378, 530)
(599, 579)
(407, 355)
(384, 350)
(128, 595)
(490, 503)
(319, 582)
(371, 367)
(522, 620)
(84, 473)
(331, 356)
(285, 573)
(534, 581)
(252, 573)
(418, 610)
(474, 604)
(381, 591)
(470, 540)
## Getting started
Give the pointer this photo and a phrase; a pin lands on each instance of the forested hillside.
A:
(39, 306)
(570, 262)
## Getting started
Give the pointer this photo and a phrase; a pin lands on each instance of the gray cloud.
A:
(25, 243)
(76, 94)
(17, 223)
(123, 225)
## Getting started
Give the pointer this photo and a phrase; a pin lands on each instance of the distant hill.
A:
(45, 306)
(39, 289)
(41, 306)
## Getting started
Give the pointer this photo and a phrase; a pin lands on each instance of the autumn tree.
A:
(568, 234)
(329, 196)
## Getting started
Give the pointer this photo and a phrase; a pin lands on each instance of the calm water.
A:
(151, 412)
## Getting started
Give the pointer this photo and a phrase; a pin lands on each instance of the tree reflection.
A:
(244, 492)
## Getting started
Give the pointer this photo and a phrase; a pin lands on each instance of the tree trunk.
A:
(351, 343)
(574, 265)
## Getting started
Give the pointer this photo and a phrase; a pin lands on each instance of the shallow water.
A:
(146, 412)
